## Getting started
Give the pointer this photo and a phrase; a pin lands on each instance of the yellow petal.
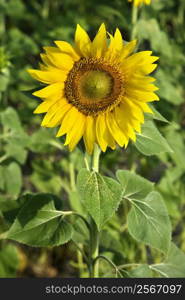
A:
(68, 121)
(129, 117)
(114, 129)
(144, 106)
(51, 49)
(55, 75)
(124, 124)
(142, 85)
(146, 69)
(128, 49)
(99, 44)
(82, 41)
(44, 106)
(59, 115)
(118, 41)
(137, 113)
(51, 112)
(103, 135)
(76, 133)
(141, 95)
(68, 49)
(56, 89)
(115, 46)
(46, 61)
(139, 62)
(59, 60)
(89, 134)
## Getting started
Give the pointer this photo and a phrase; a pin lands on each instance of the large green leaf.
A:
(148, 219)
(40, 224)
(100, 195)
(174, 264)
(150, 141)
(148, 222)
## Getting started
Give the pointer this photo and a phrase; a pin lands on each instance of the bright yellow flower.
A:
(95, 91)
(138, 2)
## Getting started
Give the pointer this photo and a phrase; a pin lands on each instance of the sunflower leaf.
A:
(12, 179)
(174, 264)
(142, 271)
(150, 141)
(39, 224)
(156, 115)
(99, 194)
(134, 187)
(9, 261)
(148, 222)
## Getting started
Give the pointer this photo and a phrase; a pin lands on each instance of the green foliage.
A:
(99, 194)
(148, 219)
(148, 222)
(9, 261)
(142, 271)
(130, 213)
(39, 223)
(150, 141)
(173, 265)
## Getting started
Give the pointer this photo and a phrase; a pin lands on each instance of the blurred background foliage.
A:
(33, 160)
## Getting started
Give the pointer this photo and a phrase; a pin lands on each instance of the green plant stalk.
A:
(95, 159)
(72, 176)
(94, 233)
(134, 21)
(94, 250)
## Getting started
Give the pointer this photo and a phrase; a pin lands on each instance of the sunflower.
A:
(138, 2)
(96, 90)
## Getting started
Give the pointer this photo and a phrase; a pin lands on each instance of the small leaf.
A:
(156, 115)
(148, 222)
(9, 261)
(174, 264)
(133, 186)
(13, 179)
(100, 195)
(150, 141)
(142, 271)
(10, 119)
(16, 151)
(39, 224)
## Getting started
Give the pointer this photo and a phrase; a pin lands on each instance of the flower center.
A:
(94, 86)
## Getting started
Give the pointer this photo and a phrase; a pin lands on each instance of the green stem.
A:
(86, 161)
(72, 176)
(95, 159)
(110, 262)
(94, 250)
(134, 21)
(94, 233)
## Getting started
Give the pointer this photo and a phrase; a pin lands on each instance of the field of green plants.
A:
(36, 164)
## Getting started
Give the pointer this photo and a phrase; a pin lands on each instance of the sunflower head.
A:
(139, 2)
(96, 90)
